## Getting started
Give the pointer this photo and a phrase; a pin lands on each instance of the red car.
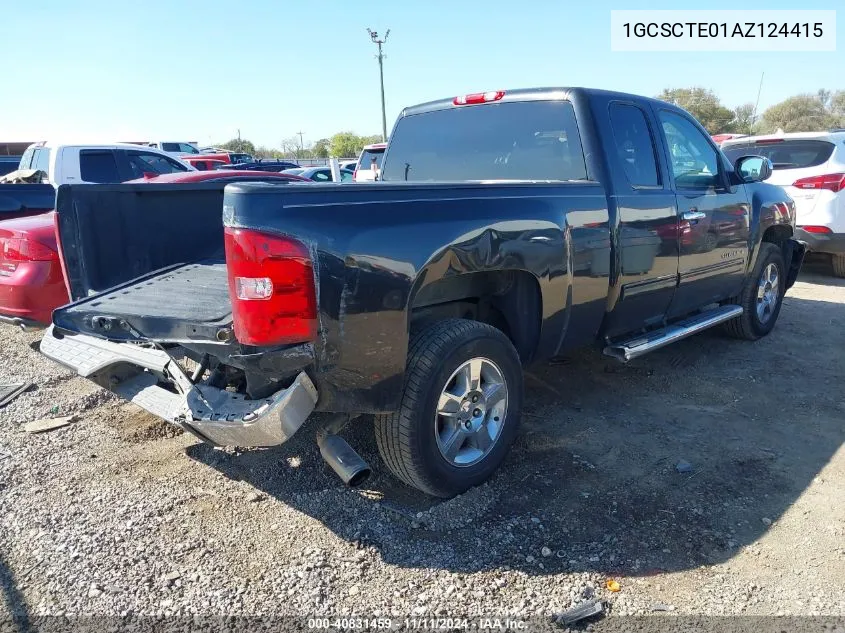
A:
(202, 163)
(32, 284)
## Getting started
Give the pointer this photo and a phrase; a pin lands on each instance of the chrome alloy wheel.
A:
(471, 412)
(768, 293)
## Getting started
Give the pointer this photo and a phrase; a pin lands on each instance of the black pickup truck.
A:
(507, 228)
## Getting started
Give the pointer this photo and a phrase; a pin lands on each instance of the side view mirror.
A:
(753, 168)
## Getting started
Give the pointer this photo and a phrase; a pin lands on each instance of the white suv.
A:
(810, 166)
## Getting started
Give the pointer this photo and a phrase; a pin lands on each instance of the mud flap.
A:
(794, 252)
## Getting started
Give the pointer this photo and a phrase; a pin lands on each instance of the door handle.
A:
(694, 214)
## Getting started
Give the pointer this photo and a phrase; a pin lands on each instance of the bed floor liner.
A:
(188, 302)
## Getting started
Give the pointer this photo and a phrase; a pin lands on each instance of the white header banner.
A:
(723, 31)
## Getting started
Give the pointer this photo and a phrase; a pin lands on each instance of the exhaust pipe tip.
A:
(343, 459)
(359, 477)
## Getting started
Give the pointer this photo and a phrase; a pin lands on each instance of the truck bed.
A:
(189, 302)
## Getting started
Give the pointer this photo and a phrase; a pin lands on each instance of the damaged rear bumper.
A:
(214, 415)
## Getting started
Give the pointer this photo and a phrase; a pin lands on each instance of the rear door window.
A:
(141, 163)
(98, 166)
(370, 156)
(634, 145)
(784, 154)
(521, 140)
(170, 147)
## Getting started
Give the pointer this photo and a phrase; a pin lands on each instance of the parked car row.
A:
(184, 149)
(31, 280)
(512, 227)
(32, 284)
(319, 174)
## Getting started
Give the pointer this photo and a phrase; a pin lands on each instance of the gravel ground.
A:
(118, 514)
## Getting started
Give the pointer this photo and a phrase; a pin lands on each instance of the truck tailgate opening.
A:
(179, 304)
(144, 261)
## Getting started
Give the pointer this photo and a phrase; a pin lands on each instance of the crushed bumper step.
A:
(217, 416)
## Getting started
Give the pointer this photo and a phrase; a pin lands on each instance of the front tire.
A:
(460, 408)
(762, 296)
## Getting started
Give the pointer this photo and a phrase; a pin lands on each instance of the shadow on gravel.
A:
(13, 608)
(592, 482)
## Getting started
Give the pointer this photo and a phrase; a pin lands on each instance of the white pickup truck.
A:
(72, 164)
(75, 164)
(176, 148)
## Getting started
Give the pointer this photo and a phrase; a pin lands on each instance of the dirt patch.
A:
(136, 425)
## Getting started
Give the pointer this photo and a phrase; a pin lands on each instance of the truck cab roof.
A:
(522, 94)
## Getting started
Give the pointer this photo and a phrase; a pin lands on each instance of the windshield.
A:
(785, 154)
(524, 140)
(26, 159)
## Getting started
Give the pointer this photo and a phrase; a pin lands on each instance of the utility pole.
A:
(375, 38)
(757, 104)
(301, 143)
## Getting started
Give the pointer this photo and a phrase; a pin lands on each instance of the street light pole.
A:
(375, 38)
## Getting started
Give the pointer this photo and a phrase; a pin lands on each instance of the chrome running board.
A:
(644, 343)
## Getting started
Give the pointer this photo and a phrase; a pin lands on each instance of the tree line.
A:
(821, 111)
(340, 145)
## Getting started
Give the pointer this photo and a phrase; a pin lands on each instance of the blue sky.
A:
(202, 69)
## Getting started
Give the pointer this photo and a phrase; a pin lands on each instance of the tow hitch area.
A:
(217, 416)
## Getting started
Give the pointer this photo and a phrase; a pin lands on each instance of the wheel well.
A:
(778, 234)
(509, 300)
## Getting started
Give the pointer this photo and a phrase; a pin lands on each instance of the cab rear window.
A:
(784, 154)
(370, 156)
(521, 140)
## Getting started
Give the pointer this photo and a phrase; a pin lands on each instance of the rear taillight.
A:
(479, 97)
(17, 250)
(832, 182)
(21, 249)
(272, 287)
(816, 229)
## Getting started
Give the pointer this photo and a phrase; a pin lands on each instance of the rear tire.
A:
(417, 442)
(761, 302)
(838, 263)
